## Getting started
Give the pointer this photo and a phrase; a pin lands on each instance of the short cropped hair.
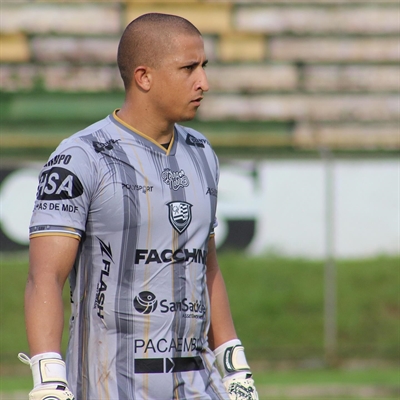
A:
(147, 39)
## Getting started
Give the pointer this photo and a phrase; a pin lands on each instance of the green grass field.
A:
(341, 384)
(277, 305)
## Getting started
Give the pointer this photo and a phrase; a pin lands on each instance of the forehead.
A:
(185, 48)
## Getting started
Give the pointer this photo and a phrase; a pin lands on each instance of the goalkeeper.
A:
(126, 209)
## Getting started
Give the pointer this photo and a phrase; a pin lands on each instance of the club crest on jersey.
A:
(175, 179)
(180, 215)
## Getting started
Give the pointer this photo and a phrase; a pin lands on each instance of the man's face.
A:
(180, 80)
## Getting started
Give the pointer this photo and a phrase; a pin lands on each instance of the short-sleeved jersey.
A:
(143, 215)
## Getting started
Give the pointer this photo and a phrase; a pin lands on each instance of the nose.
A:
(202, 82)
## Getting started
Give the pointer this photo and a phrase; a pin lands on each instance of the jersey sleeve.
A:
(217, 174)
(66, 185)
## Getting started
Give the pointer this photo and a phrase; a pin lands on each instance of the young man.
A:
(126, 208)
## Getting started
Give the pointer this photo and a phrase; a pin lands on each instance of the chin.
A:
(186, 118)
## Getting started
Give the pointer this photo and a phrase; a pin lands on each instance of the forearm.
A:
(230, 358)
(50, 261)
(222, 327)
(44, 315)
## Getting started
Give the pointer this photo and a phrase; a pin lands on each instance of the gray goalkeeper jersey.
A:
(143, 215)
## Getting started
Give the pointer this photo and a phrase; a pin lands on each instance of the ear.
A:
(143, 77)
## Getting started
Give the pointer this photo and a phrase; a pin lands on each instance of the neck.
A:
(160, 131)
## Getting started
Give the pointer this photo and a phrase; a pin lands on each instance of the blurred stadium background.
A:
(304, 113)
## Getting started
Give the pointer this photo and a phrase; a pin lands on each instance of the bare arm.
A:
(51, 258)
(222, 328)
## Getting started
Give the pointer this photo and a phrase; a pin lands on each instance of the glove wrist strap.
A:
(230, 358)
(46, 368)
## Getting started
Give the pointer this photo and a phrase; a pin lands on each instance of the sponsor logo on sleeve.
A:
(52, 206)
(212, 191)
(58, 184)
(194, 141)
(59, 159)
(109, 145)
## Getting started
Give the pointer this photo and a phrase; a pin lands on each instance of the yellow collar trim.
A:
(131, 128)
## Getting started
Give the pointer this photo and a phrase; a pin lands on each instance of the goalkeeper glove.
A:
(236, 375)
(49, 377)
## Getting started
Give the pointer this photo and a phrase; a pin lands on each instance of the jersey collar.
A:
(118, 121)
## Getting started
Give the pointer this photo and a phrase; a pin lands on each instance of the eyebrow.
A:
(195, 63)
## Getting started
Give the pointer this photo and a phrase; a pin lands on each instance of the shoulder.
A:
(85, 144)
(77, 153)
(87, 137)
(195, 140)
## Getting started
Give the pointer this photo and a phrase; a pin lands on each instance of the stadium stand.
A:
(298, 74)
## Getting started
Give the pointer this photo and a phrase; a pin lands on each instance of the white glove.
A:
(236, 375)
(49, 377)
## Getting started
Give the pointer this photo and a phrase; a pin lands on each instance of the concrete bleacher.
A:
(327, 71)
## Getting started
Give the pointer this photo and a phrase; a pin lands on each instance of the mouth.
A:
(197, 101)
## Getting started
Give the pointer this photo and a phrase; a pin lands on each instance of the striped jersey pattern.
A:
(143, 215)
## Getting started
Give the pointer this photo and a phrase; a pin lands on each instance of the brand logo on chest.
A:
(175, 179)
